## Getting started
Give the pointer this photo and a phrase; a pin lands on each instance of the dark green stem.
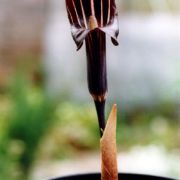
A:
(100, 109)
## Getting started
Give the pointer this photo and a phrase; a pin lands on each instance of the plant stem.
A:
(100, 109)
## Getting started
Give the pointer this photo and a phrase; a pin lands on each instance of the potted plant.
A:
(91, 21)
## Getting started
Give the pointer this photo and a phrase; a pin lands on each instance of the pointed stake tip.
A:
(114, 108)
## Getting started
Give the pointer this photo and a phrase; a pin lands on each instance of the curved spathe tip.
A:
(80, 13)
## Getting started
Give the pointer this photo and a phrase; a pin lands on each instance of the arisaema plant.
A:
(91, 21)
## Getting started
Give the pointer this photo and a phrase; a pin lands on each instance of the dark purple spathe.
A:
(91, 20)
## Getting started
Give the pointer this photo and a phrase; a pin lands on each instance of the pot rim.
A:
(122, 173)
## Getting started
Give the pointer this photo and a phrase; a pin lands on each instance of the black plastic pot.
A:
(122, 176)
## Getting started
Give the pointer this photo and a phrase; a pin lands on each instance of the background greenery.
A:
(34, 127)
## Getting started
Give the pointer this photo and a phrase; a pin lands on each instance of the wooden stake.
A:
(108, 148)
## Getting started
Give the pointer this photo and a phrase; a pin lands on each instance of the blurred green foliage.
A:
(27, 117)
(34, 128)
(172, 6)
